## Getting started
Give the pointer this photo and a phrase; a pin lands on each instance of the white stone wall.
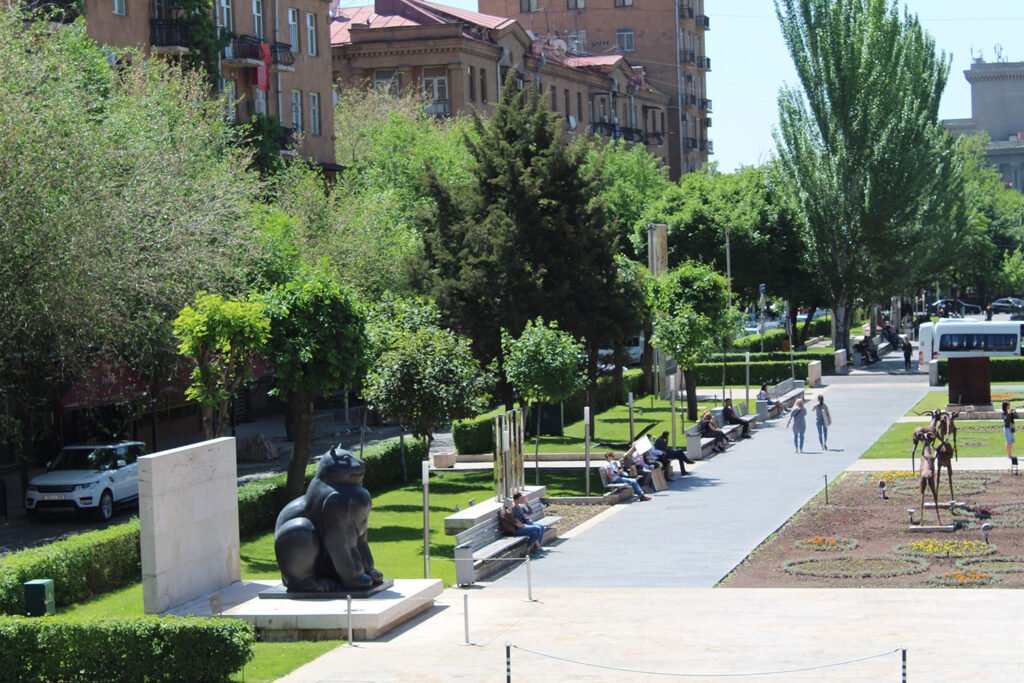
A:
(188, 512)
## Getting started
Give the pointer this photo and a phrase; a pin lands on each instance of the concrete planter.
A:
(444, 460)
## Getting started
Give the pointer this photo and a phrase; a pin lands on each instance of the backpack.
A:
(506, 522)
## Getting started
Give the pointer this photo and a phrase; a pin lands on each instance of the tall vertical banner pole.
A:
(747, 399)
(586, 445)
(672, 400)
(426, 519)
(631, 437)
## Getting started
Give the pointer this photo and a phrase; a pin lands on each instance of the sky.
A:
(750, 63)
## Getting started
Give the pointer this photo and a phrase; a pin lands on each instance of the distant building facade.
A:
(997, 107)
(459, 60)
(666, 37)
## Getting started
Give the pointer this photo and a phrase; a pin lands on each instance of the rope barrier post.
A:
(465, 612)
(826, 489)
(529, 580)
(348, 599)
(631, 436)
(586, 446)
(903, 657)
(508, 662)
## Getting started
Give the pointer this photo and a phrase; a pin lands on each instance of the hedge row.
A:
(97, 562)
(1000, 370)
(476, 434)
(124, 650)
(826, 356)
(822, 327)
(761, 372)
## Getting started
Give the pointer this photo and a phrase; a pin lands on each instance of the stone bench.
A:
(480, 549)
(701, 447)
(783, 396)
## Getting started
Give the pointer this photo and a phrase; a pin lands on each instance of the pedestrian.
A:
(1009, 416)
(798, 418)
(822, 420)
(906, 354)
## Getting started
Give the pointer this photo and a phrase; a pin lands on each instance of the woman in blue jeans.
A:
(822, 419)
(798, 418)
(525, 525)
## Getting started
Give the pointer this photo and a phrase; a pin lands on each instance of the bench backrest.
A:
(782, 388)
(480, 534)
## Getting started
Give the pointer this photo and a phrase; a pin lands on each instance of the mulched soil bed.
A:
(861, 540)
(573, 515)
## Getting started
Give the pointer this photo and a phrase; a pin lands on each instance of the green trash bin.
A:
(39, 598)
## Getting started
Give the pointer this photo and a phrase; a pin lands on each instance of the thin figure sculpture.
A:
(928, 477)
(944, 458)
(922, 434)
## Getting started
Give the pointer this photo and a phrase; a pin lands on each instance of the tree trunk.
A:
(690, 377)
(208, 416)
(300, 415)
(841, 310)
(647, 359)
(224, 417)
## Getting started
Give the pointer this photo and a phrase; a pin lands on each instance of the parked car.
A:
(88, 477)
(954, 307)
(1007, 305)
(634, 348)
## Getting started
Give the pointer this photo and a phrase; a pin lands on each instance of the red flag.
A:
(263, 77)
(265, 52)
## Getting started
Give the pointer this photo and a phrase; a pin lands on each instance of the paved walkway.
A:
(642, 573)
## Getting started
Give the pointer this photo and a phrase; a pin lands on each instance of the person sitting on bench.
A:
(665, 454)
(639, 466)
(732, 418)
(709, 429)
(525, 525)
(615, 476)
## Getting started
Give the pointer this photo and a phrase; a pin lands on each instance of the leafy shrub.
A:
(81, 566)
(1010, 369)
(123, 650)
(826, 356)
(772, 341)
(474, 434)
(761, 372)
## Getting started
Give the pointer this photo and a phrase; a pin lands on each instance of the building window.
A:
(483, 85)
(386, 81)
(311, 34)
(296, 110)
(226, 16)
(293, 28)
(625, 40)
(435, 86)
(314, 113)
(257, 18)
(120, 8)
(554, 100)
(527, 6)
(577, 41)
(579, 107)
(472, 85)
(623, 3)
(565, 101)
(576, 4)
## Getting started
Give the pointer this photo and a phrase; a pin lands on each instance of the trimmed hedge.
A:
(1008, 369)
(82, 566)
(822, 327)
(124, 650)
(476, 434)
(762, 372)
(826, 356)
(97, 562)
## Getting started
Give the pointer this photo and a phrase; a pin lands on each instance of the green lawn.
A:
(396, 538)
(612, 426)
(977, 438)
(934, 400)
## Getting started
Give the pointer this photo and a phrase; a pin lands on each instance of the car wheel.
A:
(106, 507)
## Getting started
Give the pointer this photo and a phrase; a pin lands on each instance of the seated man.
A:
(664, 454)
(615, 476)
(525, 525)
(639, 466)
(731, 417)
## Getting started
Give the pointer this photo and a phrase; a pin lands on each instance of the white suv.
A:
(93, 477)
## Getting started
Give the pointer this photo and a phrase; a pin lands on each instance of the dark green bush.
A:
(55, 650)
(474, 435)
(826, 356)
(1000, 370)
(82, 566)
(762, 372)
(772, 341)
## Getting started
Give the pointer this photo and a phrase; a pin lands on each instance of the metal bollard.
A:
(348, 599)
(903, 657)
(508, 662)
(465, 613)
(529, 580)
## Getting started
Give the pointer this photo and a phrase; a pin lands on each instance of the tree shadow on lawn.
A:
(390, 534)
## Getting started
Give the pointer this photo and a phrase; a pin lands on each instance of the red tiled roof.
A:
(592, 60)
(345, 17)
(484, 20)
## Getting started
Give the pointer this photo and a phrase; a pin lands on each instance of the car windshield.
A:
(84, 459)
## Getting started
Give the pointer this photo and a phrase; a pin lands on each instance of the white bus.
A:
(965, 338)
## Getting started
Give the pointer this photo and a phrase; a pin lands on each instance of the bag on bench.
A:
(507, 522)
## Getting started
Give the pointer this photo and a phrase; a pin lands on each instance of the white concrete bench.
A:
(477, 548)
(783, 395)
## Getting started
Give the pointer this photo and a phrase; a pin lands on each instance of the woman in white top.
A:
(822, 419)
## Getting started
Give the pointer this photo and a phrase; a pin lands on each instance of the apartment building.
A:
(459, 60)
(277, 64)
(666, 37)
(997, 107)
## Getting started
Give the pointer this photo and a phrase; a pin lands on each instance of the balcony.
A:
(634, 135)
(438, 109)
(704, 63)
(687, 56)
(707, 146)
(243, 52)
(705, 105)
(707, 122)
(690, 143)
(606, 129)
(689, 100)
(169, 36)
(281, 57)
(704, 21)
(655, 139)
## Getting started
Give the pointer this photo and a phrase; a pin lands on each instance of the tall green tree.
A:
(861, 141)
(317, 345)
(527, 236)
(693, 319)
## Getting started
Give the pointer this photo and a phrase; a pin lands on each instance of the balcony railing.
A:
(439, 108)
(707, 122)
(704, 63)
(655, 139)
(690, 143)
(281, 54)
(634, 135)
(687, 56)
(168, 33)
(705, 21)
(705, 105)
(606, 129)
(242, 49)
(709, 146)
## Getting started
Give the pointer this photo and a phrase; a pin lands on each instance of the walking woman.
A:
(798, 418)
(1009, 415)
(822, 419)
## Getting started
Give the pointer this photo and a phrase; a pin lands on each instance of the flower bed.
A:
(963, 578)
(825, 543)
(945, 547)
(993, 565)
(970, 484)
(846, 567)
